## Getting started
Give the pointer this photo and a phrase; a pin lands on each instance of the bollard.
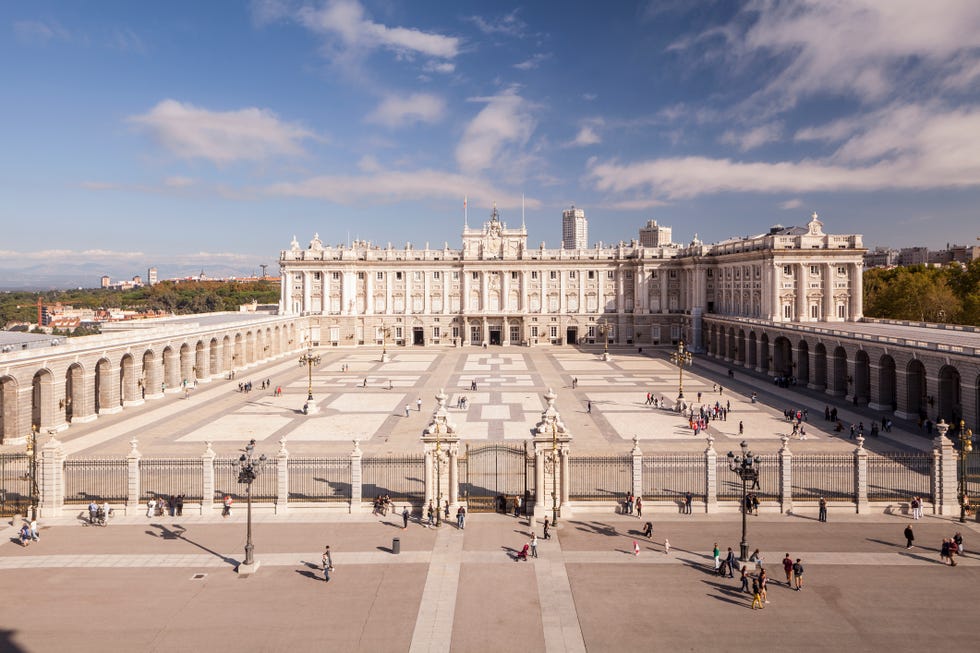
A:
(396, 546)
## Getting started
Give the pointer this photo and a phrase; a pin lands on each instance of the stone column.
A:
(133, 486)
(934, 474)
(540, 491)
(946, 500)
(356, 478)
(52, 486)
(637, 468)
(207, 482)
(856, 287)
(861, 477)
(711, 477)
(785, 476)
(282, 478)
(802, 284)
(308, 292)
(828, 292)
(454, 475)
(171, 368)
(369, 293)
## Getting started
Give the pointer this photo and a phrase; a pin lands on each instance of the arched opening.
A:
(840, 380)
(73, 390)
(103, 385)
(171, 375)
(765, 357)
(42, 395)
(127, 380)
(200, 361)
(803, 363)
(950, 399)
(213, 357)
(186, 365)
(916, 384)
(148, 381)
(862, 377)
(730, 351)
(887, 396)
(782, 357)
(227, 354)
(753, 359)
(8, 408)
(238, 358)
(820, 367)
(740, 347)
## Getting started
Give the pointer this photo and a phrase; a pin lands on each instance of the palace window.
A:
(610, 274)
(436, 274)
(788, 270)
(571, 274)
(360, 275)
(814, 270)
(629, 274)
(316, 276)
(591, 275)
(380, 276)
(554, 275)
(417, 275)
(398, 276)
(476, 275)
(335, 275)
(534, 274)
(841, 270)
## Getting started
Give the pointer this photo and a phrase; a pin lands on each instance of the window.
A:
(653, 275)
(787, 270)
(571, 274)
(813, 311)
(610, 274)
(435, 332)
(841, 311)
(513, 275)
(476, 275)
(814, 270)
(455, 275)
(841, 270)
(534, 332)
(380, 276)
(554, 331)
(787, 311)
(554, 275)
(673, 274)
(316, 276)
(534, 274)
(591, 275)
(335, 275)
(629, 274)
(417, 275)
(398, 276)
(398, 333)
(710, 273)
(360, 275)
(437, 274)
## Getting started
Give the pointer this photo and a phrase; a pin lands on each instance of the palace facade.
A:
(496, 290)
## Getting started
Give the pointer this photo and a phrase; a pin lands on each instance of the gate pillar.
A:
(441, 445)
(552, 464)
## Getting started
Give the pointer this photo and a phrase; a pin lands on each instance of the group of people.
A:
(951, 548)
(382, 503)
(632, 503)
(29, 532)
(797, 418)
(728, 565)
(98, 514)
(162, 505)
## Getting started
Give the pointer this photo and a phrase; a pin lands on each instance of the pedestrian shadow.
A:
(598, 528)
(310, 571)
(915, 556)
(176, 532)
(728, 594)
(885, 542)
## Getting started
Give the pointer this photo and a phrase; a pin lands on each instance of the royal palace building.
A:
(495, 290)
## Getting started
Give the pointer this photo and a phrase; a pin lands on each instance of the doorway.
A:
(418, 336)
(571, 335)
(495, 336)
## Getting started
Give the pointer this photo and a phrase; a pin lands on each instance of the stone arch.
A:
(8, 409)
(782, 357)
(127, 380)
(74, 390)
(839, 379)
(186, 364)
(149, 381)
(42, 399)
(249, 348)
(819, 381)
(887, 385)
(803, 363)
(765, 357)
(227, 354)
(950, 398)
(916, 388)
(753, 359)
(103, 386)
(200, 360)
(862, 377)
(171, 369)
(238, 358)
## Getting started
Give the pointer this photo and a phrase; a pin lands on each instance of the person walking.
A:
(405, 515)
(756, 596)
(741, 427)
(788, 568)
(534, 545)
(461, 518)
(909, 536)
(35, 534)
(764, 585)
(327, 564)
(798, 574)
(547, 532)
(588, 408)
(666, 547)
(822, 515)
(226, 509)
(730, 562)
(418, 403)
(648, 530)
(744, 576)
(639, 507)
(716, 554)
(180, 505)
(687, 503)
(431, 514)
(151, 506)
(406, 410)
(636, 548)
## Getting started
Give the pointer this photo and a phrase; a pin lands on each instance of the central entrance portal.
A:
(571, 336)
(495, 336)
(418, 336)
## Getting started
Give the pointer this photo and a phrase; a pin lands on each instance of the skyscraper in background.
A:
(574, 229)
(654, 235)
(151, 276)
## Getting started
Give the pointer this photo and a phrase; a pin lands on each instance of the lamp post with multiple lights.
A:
(745, 468)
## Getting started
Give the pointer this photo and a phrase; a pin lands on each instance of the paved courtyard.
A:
(166, 584)
(360, 397)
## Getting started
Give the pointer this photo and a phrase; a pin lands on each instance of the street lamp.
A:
(966, 446)
(680, 358)
(385, 332)
(744, 468)
(554, 461)
(438, 477)
(310, 360)
(604, 330)
(248, 469)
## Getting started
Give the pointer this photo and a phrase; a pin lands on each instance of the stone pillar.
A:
(785, 476)
(637, 468)
(551, 455)
(133, 486)
(171, 367)
(207, 482)
(828, 292)
(565, 508)
(856, 288)
(356, 479)
(282, 477)
(861, 477)
(453, 475)
(441, 443)
(711, 477)
(52, 486)
(540, 491)
(946, 500)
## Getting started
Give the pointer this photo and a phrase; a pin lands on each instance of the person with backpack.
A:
(798, 574)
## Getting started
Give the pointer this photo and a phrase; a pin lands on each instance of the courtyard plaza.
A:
(359, 397)
(168, 583)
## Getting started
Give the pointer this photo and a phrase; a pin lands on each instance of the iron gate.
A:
(493, 475)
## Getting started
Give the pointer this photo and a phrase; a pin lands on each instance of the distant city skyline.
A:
(185, 136)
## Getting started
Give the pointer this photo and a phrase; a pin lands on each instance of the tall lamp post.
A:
(385, 332)
(604, 330)
(248, 469)
(966, 446)
(309, 359)
(680, 358)
(744, 468)
(553, 459)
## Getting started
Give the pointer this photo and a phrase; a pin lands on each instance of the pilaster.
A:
(637, 468)
(785, 476)
(207, 479)
(861, 477)
(946, 499)
(133, 477)
(52, 486)
(282, 477)
(356, 478)
(711, 477)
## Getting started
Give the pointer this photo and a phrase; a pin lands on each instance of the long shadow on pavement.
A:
(177, 533)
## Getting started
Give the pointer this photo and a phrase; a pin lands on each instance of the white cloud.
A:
(587, 133)
(589, 97)
(346, 19)
(507, 25)
(397, 111)
(443, 67)
(506, 120)
(533, 62)
(37, 32)
(126, 40)
(754, 137)
(179, 182)
(791, 204)
(249, 134)
(388, 186)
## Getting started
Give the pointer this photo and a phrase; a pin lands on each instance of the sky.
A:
(205, 135)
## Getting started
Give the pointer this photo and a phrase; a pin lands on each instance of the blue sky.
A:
(203, 133)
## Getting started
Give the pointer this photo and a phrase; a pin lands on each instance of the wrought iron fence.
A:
(817, 475)
(671, 476)
(99, 479)
(15, 483)
(400, 477)
(730, 485)
(600, 478)
(899, 476)
(972, 476)
(171, 477)
(319, 479)
(226, 480)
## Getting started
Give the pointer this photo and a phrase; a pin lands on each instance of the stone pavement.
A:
(368, 402)
(169, 583)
